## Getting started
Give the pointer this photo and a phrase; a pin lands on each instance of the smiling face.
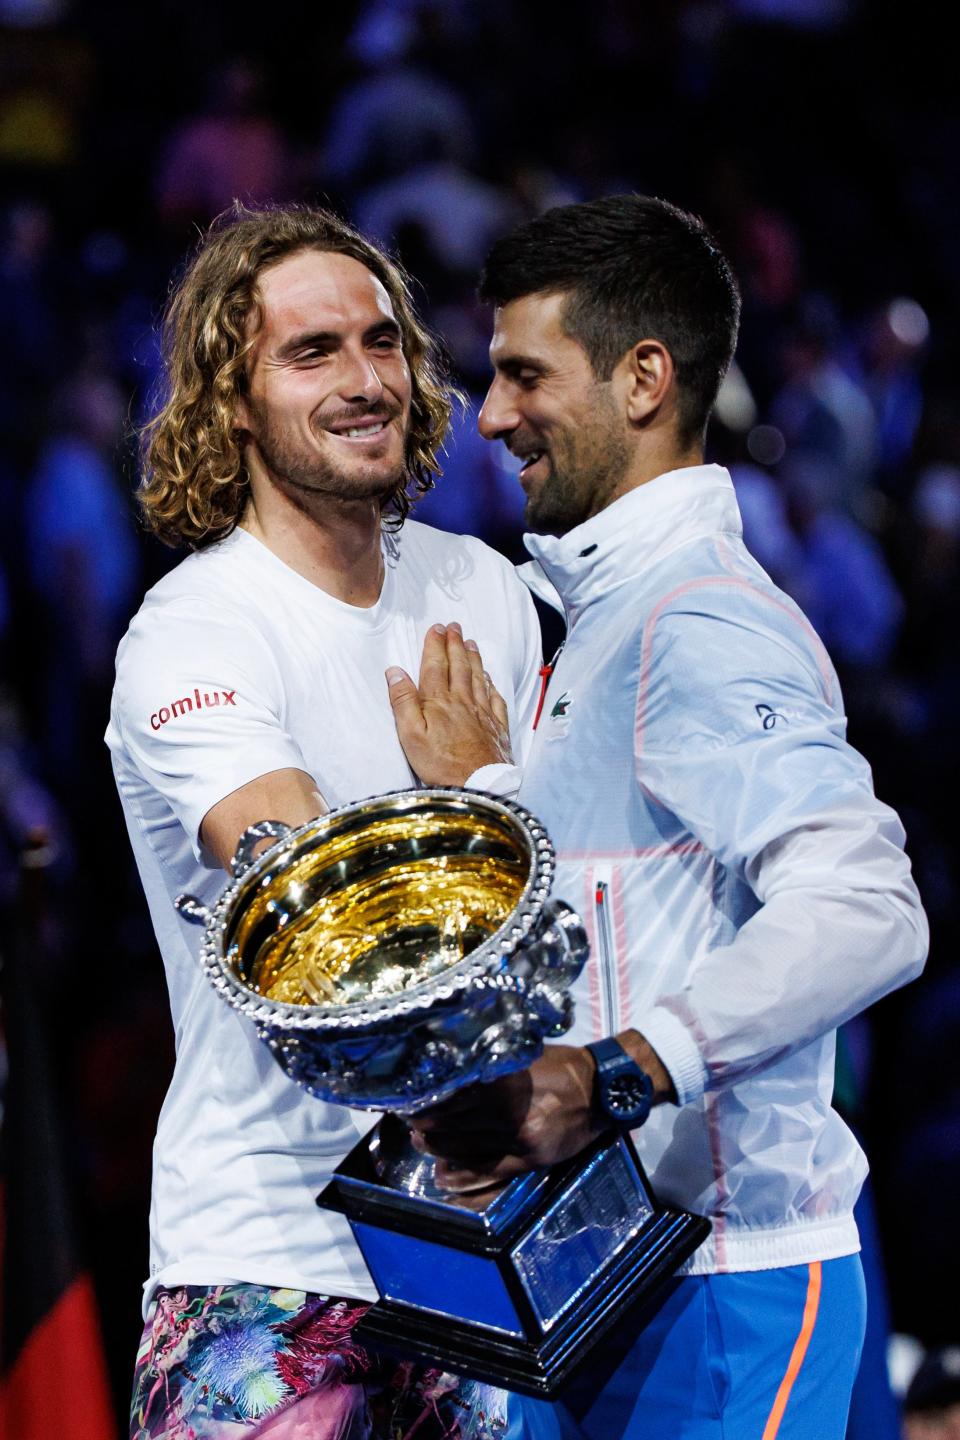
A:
(547, 406)
(327, 408)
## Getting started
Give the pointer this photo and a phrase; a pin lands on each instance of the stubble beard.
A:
(586, 466)
(557, 506)
(304, 475)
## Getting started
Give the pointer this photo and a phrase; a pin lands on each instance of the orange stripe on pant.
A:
(799, 1351)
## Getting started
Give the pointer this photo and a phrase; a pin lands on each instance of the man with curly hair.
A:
(305, 410)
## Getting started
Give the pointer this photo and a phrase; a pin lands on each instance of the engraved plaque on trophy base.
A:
(513, 1293)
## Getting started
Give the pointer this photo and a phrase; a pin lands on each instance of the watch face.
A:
(626, 1095)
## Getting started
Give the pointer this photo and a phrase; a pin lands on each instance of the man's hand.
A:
(455, 721)
(486, 1134)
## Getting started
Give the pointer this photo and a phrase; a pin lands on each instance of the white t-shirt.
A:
(236, 666)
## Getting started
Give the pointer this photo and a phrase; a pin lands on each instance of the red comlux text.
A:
(187, 703)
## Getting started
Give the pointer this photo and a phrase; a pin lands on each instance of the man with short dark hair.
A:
(744, 890)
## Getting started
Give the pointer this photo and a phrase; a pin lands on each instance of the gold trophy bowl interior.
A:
(396, 948)
(375, 909)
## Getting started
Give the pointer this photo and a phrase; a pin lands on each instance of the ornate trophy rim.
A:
(486, 966)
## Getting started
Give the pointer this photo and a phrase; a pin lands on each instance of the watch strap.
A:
(613, 1062)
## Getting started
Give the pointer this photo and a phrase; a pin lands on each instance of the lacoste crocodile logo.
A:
(562, 706)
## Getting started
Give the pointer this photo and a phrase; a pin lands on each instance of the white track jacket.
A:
(744, 890)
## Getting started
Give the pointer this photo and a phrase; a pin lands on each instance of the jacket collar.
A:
(624, 540)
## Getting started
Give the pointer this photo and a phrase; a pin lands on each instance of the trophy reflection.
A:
(389, 953)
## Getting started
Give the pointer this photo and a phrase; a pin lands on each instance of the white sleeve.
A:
(503, 780)
(199, 707)
(738, 739)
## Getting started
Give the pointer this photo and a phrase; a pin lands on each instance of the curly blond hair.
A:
(194, 483)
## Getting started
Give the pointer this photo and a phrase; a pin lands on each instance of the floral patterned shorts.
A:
(247, 1361)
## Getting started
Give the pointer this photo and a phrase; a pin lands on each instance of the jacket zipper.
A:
(601, 895)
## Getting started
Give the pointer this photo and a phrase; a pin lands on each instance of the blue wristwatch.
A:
(622, 1092)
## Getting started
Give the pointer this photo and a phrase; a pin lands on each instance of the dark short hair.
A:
(936, 1385)
(635, 268)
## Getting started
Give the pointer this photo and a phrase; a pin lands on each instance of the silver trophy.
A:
(389, 953)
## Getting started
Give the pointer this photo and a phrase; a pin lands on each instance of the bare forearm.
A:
(287, 795)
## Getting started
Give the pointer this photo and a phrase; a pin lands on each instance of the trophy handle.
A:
(564, 940)
(191, 909)
(263, 830)
(562, 948)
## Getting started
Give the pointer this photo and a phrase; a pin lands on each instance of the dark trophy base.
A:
(518, 1292)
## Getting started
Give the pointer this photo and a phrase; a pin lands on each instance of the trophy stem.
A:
(399, 1165)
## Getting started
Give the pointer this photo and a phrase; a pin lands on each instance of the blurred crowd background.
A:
(817, 138)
